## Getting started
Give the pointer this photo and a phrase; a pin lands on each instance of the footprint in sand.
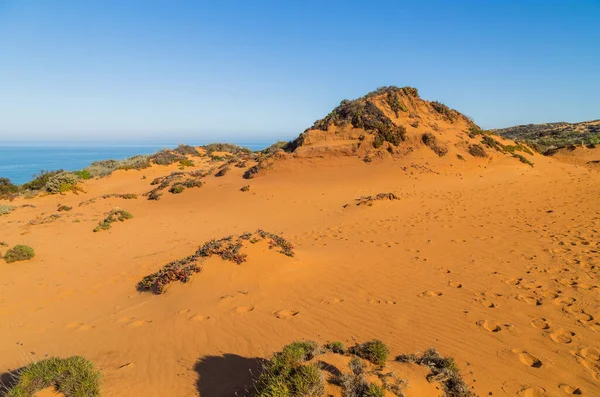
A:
(132, 322)
(198, 318)
(487, 303)
(528, 358)
(331, 301)
(534, 391)
(562, 336)
(568, 389)
(285, 313)
(488, 325)
(429, 294)
(591, 367)
(455, 284)
(590, 353)
(540, 323)
(243, 309)
(528, 299)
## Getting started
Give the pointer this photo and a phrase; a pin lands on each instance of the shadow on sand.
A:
(227, 375)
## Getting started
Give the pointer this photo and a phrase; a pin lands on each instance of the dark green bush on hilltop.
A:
(40, 180)
(7, 188)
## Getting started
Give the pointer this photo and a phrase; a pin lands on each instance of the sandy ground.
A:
(494, 264)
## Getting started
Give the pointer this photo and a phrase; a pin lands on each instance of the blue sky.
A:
(159, 70)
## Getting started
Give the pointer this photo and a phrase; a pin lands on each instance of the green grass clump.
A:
(186, 163)
(62, 183)
(83, 174)
(19, 253)
(374, 351)
(177, 188)
(393, 101)
(336, 347)
(116, 215)
(74, 377)
(288, 375)
(523, 159)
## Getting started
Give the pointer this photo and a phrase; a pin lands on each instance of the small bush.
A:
(523, 159)
(19, 253)
(245, 188)
(307, 380)
(116, 215)
(177, 188)
(186, 150)
(336, 347)
(394, 102)
(73, 377)
(6, 209)
(83, 174)
(186, 163)
(431, 142)
(7, 188)
(40, 180)
(477, 151)
(62, 207)
(225, 147)
(374, 351)
(166, 157)
(224, 170)
(444, 110)
(62, 183)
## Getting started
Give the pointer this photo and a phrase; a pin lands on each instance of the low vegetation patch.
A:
(186, 163)
(19, 253)
(175, 183)
(431, 142)
(62, 183)
(444, 110)
(116, 215)
(225, 147)
(6, 209)
(62, 207)
(166, 157)
(245, 188)
(443, 370)
(374, 351)
(228, 248)
(394, 102)
(223, 170)
(477, 151)
(83, 174)
(125, 196)
(186, 150)
(73, 377)
(7, 189)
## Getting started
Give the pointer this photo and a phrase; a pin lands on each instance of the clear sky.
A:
(132, 70)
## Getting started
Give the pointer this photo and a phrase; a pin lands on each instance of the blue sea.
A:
(19, 162)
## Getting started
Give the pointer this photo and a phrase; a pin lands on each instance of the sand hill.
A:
(181, 279)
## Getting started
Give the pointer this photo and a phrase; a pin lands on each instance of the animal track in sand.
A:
(534, 391)
(591, 367)
(568, 389)
(198, 318)
(528, 299)
(331, 301)
(373, 301)
(243, 309)
(454, 284)
(528, 358)
(488, 325)
(540, 323)
(562, 336)
(285, 313)
(487, 303)
(429, 294)
(591, 353)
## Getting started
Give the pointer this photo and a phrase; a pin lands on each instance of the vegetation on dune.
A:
(62, 207)
(223, 170)
(228, 248)
(545, 138)
(477, 151)
(6, 209)
(166, 157)
(116, 215)
(186, 150)
(374, 351)
(7, 189)
(490, 142)
(245, 188)
(19, 253)
(444, 110)
(175, 183)
(443, 370)
(225, 147)
(369, 200)
(73, 377)
(62, 183)
(431, 142)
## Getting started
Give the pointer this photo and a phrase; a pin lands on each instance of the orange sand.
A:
(492, 262)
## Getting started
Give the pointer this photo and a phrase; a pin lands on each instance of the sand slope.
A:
(492, 262)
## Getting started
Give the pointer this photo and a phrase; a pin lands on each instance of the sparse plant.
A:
(72, 377)
(62, 207)
(116, 215)
(186, 163)
(40, 180)
(177, 188)
(431, 142)
(83, 174)
(7, 189)
(6, 209)
(62, 183)
(245, 188)
(222, 171)
(374, 351)
(186, 150)
(19, 253)
(477, 151)
(336, 347)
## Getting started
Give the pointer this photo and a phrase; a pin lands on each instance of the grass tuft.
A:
(19, 253)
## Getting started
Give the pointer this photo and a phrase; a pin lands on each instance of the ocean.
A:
(19, 162)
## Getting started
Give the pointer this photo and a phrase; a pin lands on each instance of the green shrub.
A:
(166, 157)
(177, 188)
(186, 163)
(73, 377)
(374, 390)
(19, 253)
(431, 142)
(7, 188)
(394, 102)
(225, 147)
(116, 215)
(444, 110)
(307, 380)
(523, 159)
(40, 180)
(186, 150)
(83, 174)
(336, 347)
(6, 209)
(477, 151)
(374, 351)
(245, 188)
(61, 183)
(222, 171)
